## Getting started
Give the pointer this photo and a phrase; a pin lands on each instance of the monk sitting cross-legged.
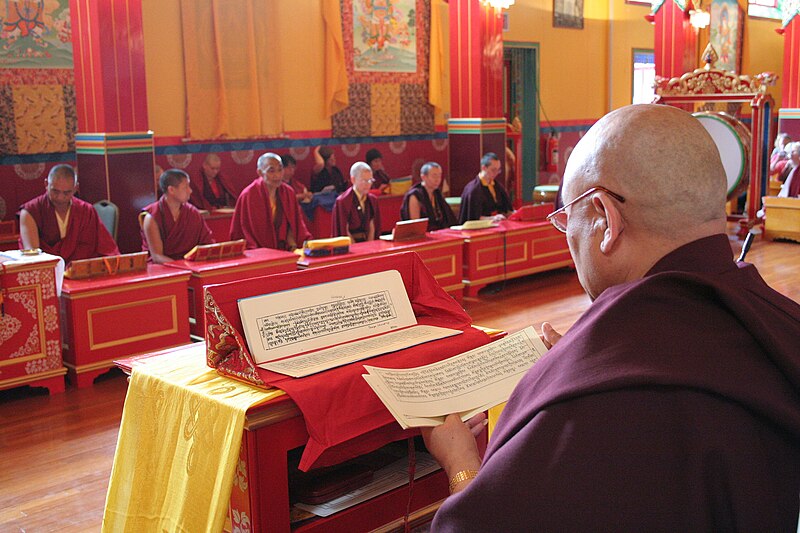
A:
(61, 224)
(172, 226)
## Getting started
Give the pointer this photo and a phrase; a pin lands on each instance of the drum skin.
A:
(733, 140)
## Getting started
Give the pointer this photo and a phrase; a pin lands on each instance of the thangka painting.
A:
(386, 50)
(37, 86)
(726, 34)
(384, 36)
(35, 34)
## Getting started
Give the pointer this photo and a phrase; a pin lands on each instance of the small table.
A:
(510, 250)
(219, 222)
(30, 330)
(109, 317)
(254, 263)
(440, 252)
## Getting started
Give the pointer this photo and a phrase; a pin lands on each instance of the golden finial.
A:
(710, 56)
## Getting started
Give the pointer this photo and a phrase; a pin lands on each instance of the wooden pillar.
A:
(789, 113)
(675, 40)
(113, 145)
(477, 124)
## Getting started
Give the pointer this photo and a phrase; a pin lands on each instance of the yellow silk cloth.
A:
(178, 447)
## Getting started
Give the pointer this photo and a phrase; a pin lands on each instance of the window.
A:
(770, 9)
(644, 76)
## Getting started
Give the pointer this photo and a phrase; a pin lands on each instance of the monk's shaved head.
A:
(62, 172)
(661, 159)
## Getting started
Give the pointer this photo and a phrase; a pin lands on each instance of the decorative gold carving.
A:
(710, 80)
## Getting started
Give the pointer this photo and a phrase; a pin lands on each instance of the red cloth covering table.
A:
(257, 262)
(510, 250)
(440, 252)
(123, 315)
(260, 497)
(30, 334)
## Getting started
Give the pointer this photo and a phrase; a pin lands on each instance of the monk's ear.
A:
(612, 221)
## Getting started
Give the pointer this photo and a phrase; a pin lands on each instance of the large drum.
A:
(733, 142)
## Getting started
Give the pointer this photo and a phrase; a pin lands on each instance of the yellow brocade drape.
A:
(336, 84)
(436, 63)
(178, 446)
(232, 67)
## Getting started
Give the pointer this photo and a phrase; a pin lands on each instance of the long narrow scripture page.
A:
(466, 383)
(320, 322)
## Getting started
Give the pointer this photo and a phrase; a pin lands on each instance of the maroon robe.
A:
(477, 201)
(251, 218)
(203, 196)
(672, 404)
(86, 236)
(794, 183)
(439, 214)
(349, 219)
(177, 236)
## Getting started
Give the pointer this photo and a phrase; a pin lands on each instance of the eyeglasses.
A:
(559, 217)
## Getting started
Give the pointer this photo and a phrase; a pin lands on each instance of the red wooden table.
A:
(122, 315)
(258, 262)
(510, 250)
(219, 222)
(441, 253)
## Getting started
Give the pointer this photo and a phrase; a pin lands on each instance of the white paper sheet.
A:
(466, 383)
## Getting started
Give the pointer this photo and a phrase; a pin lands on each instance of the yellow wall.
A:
(583, 73)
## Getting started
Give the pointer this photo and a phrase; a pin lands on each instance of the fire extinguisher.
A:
(551, 154)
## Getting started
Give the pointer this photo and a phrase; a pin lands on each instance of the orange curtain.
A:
(336, 84)
(436, 86)
(232, 66)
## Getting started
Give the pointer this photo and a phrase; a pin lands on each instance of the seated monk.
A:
(425, 200)
(61, 224)
(484, 196)
(355, 213)
(172, 226)
(375, 161)
(267, 214)
(212, 190)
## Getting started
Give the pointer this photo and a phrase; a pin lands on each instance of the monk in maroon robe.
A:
(213, 190)
(484, 196)
(267, 214)
(172, 226)
(673, 404)
(61, 224)
(425, 200)
(355, 213)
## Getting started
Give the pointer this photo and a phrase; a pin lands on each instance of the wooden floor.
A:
(56, 451)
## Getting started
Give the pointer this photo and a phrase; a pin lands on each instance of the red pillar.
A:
(114, 147)
(675, 41)
(477, 124)
(789, 113)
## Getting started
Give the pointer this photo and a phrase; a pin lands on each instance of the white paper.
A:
(327, 358)
(290, 322)
(466, 383)
(387, 478)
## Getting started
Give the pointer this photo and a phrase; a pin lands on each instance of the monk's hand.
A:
(549, 336)
(453, 443)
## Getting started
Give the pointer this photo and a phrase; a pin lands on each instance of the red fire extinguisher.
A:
(551, 154)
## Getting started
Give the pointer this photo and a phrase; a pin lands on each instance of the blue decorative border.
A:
(38, 158)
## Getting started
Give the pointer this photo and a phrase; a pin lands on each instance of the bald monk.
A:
(172, 226)
(425, 200)
(673, 403)
(355, 213)
(267, 214)
(213, 190)
(61, 224)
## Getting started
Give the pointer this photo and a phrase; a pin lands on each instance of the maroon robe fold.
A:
(177, 236)
(349, 219)
(86, 236)
(251, 218)
(203, 196)
(477, 201)
(672, 404)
